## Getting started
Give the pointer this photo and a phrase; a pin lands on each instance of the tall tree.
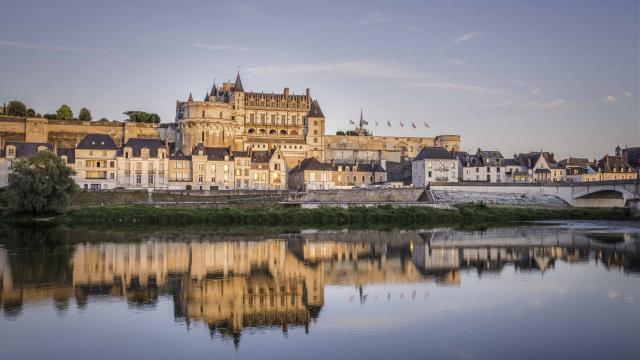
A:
(16, 108)
(84, 114)
(50, 116)
(64, 112)
(40, 183)
(31, 112)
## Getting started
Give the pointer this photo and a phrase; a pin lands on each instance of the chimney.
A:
(308, 93)
(286, 92)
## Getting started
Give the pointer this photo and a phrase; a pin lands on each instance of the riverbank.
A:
(279, 216)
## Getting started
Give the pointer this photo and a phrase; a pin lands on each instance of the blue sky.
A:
(510, 75)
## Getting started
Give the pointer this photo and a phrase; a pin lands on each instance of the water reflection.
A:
(231, 283)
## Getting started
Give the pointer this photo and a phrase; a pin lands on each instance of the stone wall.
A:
(359, 195)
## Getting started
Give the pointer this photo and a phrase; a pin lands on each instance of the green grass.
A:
(353, 216)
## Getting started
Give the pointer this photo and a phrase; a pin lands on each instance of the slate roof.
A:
(213, 153)
(632, 155)
(97, 142)
(489, 154)
(312, 164)
(436, 152)
(509, 162)
(241, 154)
(27, 148)
(179, 155)
(237, 86)
(315, 110)
(580, 162)
(608, 163)
(137, 145)
(70, 153)
(260, 156)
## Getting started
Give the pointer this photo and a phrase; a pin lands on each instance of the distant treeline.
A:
(64, 112)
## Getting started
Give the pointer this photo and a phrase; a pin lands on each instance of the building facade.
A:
(435, 164)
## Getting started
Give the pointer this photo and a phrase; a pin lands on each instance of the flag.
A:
(401, 124)
(376, 122)
(351, 122)
(389, 123)
(365, 122)
(413, 124)
(426, 125)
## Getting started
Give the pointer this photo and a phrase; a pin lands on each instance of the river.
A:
(553, 290)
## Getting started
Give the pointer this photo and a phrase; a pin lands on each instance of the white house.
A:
(434, 164)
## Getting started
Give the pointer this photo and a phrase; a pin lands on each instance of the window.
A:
(255, 176)
(251, 117)
(112, 164)
(150, 179)
(226, 177)
(273, 119)
(315, 122)
(226, 168)
(138, 179)
(200, 178)
(112, 176)
(202, 137)
(262, 117)
(315, 132)
(315, 140)
(213, 167)
(238, 172)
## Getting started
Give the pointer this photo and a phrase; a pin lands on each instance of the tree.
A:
(16, 108)
(103, 119)
(50, 116)
(351, 133)
(340, 132)
(84, 114)
(31, 112)
(40, 183)
(64, 112)
(143, 117)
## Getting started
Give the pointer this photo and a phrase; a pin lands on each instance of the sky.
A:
(516, 76)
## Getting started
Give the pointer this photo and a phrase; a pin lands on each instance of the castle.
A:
(240, 120)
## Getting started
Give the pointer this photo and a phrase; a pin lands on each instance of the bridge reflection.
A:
(232, 283)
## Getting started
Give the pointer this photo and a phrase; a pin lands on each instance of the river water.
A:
(558, 290)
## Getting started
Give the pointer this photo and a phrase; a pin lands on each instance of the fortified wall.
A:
(67, 133)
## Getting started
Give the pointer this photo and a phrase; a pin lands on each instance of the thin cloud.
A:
(22, 45)
(547, 105)
(353, 69)
(610, 99)
(465, 37)
(457, 86)
(219, 47)
(626, 93)
(376, 18)
(533, 90)
(456, 62)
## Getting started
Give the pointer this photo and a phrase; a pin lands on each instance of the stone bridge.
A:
(617, 193)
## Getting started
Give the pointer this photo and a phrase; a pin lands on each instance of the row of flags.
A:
(413, 124)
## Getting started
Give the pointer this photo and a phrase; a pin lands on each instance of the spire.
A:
(206, 97)
(237, 86)
(315, 110)
(361, 119)
(214, 89)
(190, 98)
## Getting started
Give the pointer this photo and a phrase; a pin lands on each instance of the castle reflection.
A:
(232, 283)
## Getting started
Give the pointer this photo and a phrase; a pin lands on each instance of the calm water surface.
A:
(554, 291)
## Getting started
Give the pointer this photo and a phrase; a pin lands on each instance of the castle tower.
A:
(315, 131)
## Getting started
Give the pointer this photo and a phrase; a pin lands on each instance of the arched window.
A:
(263, 131)
(283, 132)
(272, 132)
(251, 131)
(293, 132)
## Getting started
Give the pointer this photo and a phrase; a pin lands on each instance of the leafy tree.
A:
(143, 117)
(16, 108)
(103, 119)
(351, 133)
(40, 183)
(84, 114)
(64, 112)
(340, 132)
(31, 112)
(50, 116)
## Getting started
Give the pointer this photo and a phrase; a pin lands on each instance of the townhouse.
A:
(142, 163)
(434, 164)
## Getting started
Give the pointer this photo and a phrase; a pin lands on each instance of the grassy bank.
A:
(143, 215)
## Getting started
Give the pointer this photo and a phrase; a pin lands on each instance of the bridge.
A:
(616, 193)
